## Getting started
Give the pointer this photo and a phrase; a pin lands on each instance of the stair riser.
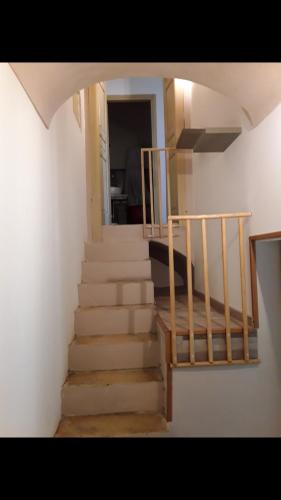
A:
(111, 232)
(129, 355)
(116, 398)
(117, 251)
(109, 321)
(101, 272)
(116, 294)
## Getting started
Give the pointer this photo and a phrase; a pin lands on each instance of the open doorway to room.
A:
(131, 126)
(265, 252)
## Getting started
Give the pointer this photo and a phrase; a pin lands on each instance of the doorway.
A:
(131, 126)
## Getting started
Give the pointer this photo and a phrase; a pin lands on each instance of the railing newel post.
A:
(243, 289)
(151, 193)
(190, 324)
(207, 291)
(143, 193)
(225, 290)
(172, 291)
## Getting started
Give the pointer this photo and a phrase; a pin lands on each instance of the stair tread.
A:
(124, 306)
(115, 338)
(109, 377)
(115, 282)
(112, 261)
(124, 424)
(119, 241)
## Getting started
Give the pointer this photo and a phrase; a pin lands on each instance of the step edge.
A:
(105, 262)
(150, 305)
(93, 385)
(158, 377)
(133, 338)
(160, 421)
(116, 282)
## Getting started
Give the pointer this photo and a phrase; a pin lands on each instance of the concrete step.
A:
(116, 293)
(124, 231)
(114, 352)
(113, 425)
(115, 391)
(103, 272)
(117, 250)
(114, 320)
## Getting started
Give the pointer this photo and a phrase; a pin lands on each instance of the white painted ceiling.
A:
(255, 87)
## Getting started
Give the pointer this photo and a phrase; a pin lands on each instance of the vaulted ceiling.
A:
(255, 87)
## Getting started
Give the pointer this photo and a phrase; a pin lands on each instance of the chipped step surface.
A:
(126, 424)
(113, 352)
(114, 391)
(112, 377)
(103, 272)
(117, 250)
(116, 294)
(111, 320)
(124, 231)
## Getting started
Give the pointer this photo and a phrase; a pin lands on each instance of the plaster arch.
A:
(255, 87)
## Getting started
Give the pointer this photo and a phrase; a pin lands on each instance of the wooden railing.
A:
(158, 221)
(209, 330)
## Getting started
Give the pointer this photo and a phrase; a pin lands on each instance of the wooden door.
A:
(104, 150)
(174, 123)
(97, 160)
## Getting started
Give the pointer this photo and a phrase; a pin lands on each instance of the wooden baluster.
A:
(243, 289)
(151, 194)
(143, 194)
(172, 292)
(159, 192)
(168, 182)
(207, 292)
(189, 291)
(225, 290)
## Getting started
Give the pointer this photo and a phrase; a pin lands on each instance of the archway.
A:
(255, 87)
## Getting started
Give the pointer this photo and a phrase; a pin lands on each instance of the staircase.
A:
(114, 386)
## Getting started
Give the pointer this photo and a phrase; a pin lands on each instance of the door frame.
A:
(140, 98)
(94, 173)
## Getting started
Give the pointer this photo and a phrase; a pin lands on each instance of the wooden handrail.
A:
(167, 149)
(190, 330)
(210, 216)
(151, 191)
(158, 166)
(156, 229)
(168, 183)
(143, 191)
(156, 195)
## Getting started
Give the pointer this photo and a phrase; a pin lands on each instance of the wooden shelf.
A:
(208, 140)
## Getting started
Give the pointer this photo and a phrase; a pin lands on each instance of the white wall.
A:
(140, 86)
(246, 177)
(236, 400)
(43, 227)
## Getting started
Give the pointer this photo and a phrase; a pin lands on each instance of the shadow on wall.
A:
(159, 255)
